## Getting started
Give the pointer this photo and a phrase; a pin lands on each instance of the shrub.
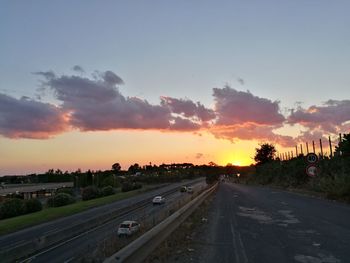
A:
(90, 192)
(60, 199)
(12, 207)
(32, 205)
(108, 190)
(66, 190)
(128, 186)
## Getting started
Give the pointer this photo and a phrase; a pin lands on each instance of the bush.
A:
(66, 190)
(90, 192)
(60, 199)
(108, 190)
(12, 207)
(128, 186)
(32, 205)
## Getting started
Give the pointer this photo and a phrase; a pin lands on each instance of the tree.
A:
(12, 207)
(265, 153)
(343, 147)
(60, 199)
(116, 167)
(134, 168)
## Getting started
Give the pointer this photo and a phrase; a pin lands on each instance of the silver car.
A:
(158, 200)
(127, 228)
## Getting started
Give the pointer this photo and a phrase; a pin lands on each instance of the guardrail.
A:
(140, 248)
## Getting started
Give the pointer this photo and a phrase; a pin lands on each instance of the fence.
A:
(299, 150)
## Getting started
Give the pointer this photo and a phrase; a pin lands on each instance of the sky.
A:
(85, 84)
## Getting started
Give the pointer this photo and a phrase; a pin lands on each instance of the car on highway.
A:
(190, 189)
(183, 189)
(127, 228)
(158, 200)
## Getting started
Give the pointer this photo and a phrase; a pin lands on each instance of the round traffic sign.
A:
(312, 158)
(311, 170)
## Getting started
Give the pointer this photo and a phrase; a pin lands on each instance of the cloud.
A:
(199, 155)
(188, 108)
(25, 118)
(97, 104)
(251, 131)
(240, 81)
(111, 78)
(180, 124)
(237, 107)
(332, 117)
(241, 115)
(78, 69)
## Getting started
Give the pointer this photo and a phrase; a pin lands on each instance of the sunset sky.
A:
(84, 84)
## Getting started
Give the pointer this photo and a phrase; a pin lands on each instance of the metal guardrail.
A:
(140, 248)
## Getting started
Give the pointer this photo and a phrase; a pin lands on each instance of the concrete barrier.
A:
(140, 248)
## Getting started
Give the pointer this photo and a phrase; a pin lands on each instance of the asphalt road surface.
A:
(258, 224)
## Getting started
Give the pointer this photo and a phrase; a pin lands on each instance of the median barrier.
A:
(140, 248)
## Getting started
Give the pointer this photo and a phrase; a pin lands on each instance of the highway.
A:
(263, 225)
(90, 243)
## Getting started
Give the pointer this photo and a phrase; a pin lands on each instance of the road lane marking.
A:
(321, 258)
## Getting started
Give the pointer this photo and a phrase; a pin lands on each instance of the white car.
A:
(127, 228)
(158, 200)
(189, 189)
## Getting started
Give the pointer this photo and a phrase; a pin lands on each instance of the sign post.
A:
(312, 160)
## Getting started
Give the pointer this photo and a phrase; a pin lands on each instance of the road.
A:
(258, 224)
(39, 233)
(88, 246)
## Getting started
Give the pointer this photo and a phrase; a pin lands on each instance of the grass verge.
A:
(47, 214)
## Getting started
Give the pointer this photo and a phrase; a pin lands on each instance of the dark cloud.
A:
(26, 118)
(111, 78)
(237, 107)
(180, 124)
(332, 117)
(188, 108)
(241, 115)
(97, 104)
(78, 69)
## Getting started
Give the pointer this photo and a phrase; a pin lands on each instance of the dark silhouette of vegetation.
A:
(108, 190)
(116, 167)
(66, 190)
(129, 186)
(12, 207)
(60, 199)
(90, 192)
(332, 180)
(343, 148)
(32, 205)
(266, 153)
